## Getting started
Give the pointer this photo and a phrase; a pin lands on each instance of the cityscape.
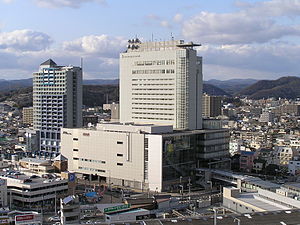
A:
(189, 115)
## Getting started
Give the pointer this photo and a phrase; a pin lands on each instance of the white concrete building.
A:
(57, 102)
(161, 83)
(141, 156)
(262, 201)
(33, 192)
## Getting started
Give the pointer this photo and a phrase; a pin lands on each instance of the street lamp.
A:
(181, 186)
(110, 184)
(237, 220)
(209, 182)
(215, 216)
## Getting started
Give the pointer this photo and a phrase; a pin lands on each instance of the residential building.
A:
(266, 117)
(247, 161)
(57, 103)
(211, 105)
(161, 83)
(142, 156)
(28, 115)
(294, 166)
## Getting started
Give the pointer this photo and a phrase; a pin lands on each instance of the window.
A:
(119, 142)
(75, 158)
(75, 139)
(119, 164)
(119, 154)
(75, 150)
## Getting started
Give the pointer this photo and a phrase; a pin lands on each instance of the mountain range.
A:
(96, 91)
(284, 87)
(231, 86)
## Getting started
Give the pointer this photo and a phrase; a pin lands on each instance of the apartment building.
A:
(27, 115)
(57, 103)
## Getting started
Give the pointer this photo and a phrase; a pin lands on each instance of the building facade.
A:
(142, 156)
(211, 105)
(27, 115)
(57, 103)
(161, 83)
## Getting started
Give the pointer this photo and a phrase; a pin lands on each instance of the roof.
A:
(49, 62)
(271, 218)
(255, 200)
(35, 160)
(60, 157)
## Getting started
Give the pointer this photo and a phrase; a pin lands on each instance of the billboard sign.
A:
(32, 219)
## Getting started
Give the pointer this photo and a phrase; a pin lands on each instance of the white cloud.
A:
(65, 3)
(178, 18)
(165, 23)
(235, 28)
(7, 1)
(24, 40)
(101, 45)
(271, 8)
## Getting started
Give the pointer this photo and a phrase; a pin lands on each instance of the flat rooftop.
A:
(271, 218)
(255, 200)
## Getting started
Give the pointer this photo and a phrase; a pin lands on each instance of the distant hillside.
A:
(284, 87)
(93, 94)
(231, 86)
(213, 90)
(8, 85)
(96, 95)
(101, 82)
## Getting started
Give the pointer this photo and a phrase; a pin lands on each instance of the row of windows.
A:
(151, 103)
(160, 84)
(148, 113)
(162, 99)
(152, 89)
(89, 160)
(154, 79)
(150, 118)
(167, 109)
(151, 94)
(153, 71)
(91, 169)
(154, 62)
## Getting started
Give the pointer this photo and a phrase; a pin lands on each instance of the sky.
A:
(240, 39)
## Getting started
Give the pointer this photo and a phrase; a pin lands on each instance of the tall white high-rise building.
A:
(161, 83)
(57, 103)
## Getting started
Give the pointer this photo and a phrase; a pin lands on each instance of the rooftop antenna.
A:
(152, 37)
(172, 38)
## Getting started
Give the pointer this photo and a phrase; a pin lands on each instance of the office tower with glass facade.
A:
(57, 103)
(161, 83)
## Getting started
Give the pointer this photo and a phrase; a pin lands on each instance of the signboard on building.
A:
(4, 221)
(72, 177)
(116, 208)
(31, 219)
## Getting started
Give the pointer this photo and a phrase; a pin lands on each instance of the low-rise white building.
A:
(33, 192)
(141, 156)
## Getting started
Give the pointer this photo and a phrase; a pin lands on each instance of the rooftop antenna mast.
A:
(152, 37)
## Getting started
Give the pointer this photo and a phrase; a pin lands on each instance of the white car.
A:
(54, 218)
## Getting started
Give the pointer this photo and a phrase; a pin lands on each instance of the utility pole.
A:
(189, 184)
